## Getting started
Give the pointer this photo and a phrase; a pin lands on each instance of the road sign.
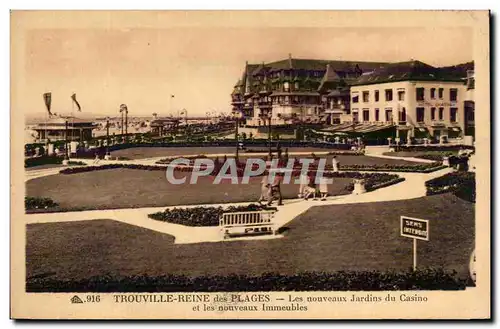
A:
(417, 229)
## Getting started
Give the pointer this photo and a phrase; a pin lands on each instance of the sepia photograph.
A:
(251, 164)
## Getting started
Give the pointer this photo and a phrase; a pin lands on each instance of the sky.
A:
(143, 67)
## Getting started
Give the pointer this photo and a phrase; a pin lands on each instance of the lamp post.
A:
(269, 117)
(66, 155)
(237, 116)
(106, 157)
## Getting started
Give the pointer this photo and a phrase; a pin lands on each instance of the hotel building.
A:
(296, 90)
(417, 99)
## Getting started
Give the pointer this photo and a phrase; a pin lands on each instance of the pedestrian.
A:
(304, 182)
(335, 164)
(323, 188)
(96, 160)
(264, 188)
(276, 190)
(310, 189)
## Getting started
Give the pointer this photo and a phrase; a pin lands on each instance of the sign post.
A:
(417, 229)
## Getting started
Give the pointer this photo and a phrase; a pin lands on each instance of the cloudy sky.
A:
(143, 67)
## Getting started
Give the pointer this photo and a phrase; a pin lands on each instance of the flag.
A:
(172, 96)
(183, 112)
(73, 97)
(47, 97)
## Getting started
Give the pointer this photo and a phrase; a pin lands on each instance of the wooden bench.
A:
(237, 224)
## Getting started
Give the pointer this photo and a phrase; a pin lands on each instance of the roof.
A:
(404, 71)
(320, 64)
(61, 120)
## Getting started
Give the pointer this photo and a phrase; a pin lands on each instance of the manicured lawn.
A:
(325, 238)
(127, 188)
(153, 152)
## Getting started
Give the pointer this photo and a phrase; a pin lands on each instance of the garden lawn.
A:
(133, 188)
(325, 238)
(153, 152)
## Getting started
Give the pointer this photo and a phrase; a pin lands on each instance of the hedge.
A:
(201, 216)
(31, 203)
(422, 148)
(462, 184)
(422, 279)
(42, 160)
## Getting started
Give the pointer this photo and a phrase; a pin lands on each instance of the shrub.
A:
(201, 216)
(31, 203)
(462, 184)
(43, 160)
(421, 168)
(422, 279)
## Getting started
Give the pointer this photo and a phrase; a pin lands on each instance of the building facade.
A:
(414, 97)
(64, 128)
(296, 90)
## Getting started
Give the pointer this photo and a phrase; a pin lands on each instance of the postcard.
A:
(250, 165)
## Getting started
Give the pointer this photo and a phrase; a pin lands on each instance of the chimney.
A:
(290, 60)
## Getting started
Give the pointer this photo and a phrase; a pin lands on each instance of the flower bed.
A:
(462, 184)
(422, 279)
(422, 168)
(190, 158)
(201, 216)
(31, 203)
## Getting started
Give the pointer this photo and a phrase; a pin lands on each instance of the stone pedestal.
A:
(389, 140)
(408, 141)
(50, 149)
(359, 186)
(446, 161)
(65, 162)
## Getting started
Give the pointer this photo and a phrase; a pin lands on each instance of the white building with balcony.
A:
(416, 98)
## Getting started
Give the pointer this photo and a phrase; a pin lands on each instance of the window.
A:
(453, 95)
(296, 85)
(355, 117)
(453, 114)
(366, 96)
(401, 95)
(388, 95)
(355, 99)
(440, 93)
(366, 115)
(433, 93)
(377, 115)
(286, 86)
(441, 113)
(388, 115)
(376, 95)
(403, 115)
(420, 94)
(433, 112)
(420, 114)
